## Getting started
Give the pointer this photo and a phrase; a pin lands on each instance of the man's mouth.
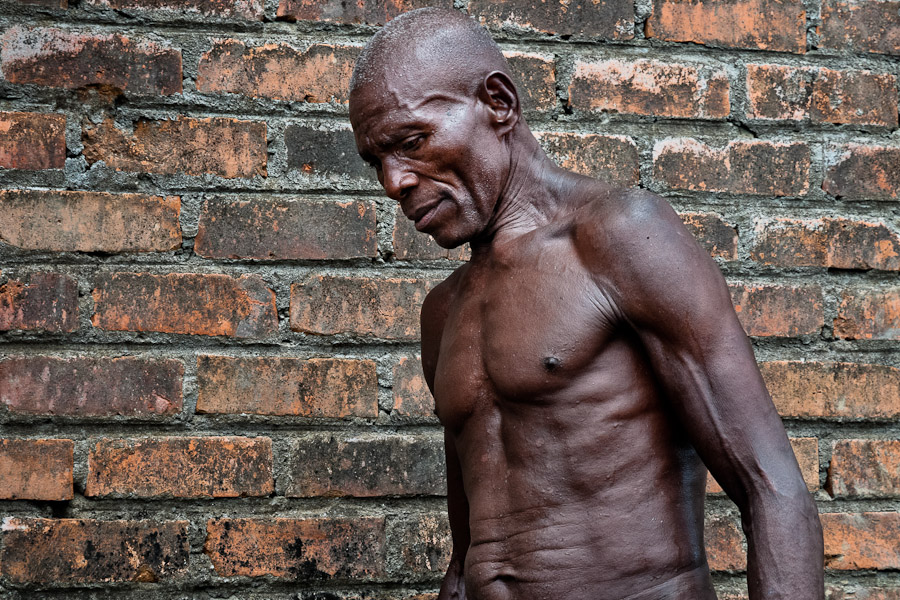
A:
(424, 215)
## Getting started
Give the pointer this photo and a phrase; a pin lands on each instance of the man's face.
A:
(435, 152)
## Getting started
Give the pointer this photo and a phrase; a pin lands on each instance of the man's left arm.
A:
(674, 296)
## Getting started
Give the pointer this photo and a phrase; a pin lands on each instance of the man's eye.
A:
(412, 142)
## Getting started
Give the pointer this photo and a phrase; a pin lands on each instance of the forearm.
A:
(454, 584)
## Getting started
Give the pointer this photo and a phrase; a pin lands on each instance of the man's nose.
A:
(397, 179)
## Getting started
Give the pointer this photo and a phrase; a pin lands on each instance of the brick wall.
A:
(209, 383)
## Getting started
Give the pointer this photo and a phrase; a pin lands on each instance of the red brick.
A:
(776, 310)
(91, 551)
(410, 244)
(860, 26)
(226, 147)
(373, 12)
(821, 95)
(366, 466)
(40, 301)
(612, 158)
(535, 78)
(91, 386)
(251, 10)
(189, 303)
(317, 387)
(332, 154)
(834, 243)
(724, 544)
(869, 315)
(863, 172)
(753, 167)
(317, 73)
(412, 397)
(36, 469)
(863, 593)
(423, 543)
(833, 390)
(89, 221)
(66, 59)
(776, 25)
(712, 232)
(32, 141)
(381, 308)
(180, 467)
(650, 87)
(864, 469)
(861, 540)
(297, 549)
(612, 19)
(286, 229)
(807, 452)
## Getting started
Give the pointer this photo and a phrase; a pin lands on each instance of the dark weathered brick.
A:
(423, 543)
(864, 592)
(833, 390)
(226, 147)
(862, 172)
(860, 26)
(36, 469)
(535, 78)
(776, 25)
(60, 58)
(864, 469)
(612, 158)
(297, 549)
(66, 551)
(869, 314)
(754, 167)
(60, 220)
(612, 19)
(374, 12)
(650, 87)
(41, 301)
(32, 141)
(91, 386)
(317, 152)
(252, 10)
(180, 467)
(828, 242)
(286, 229)
(366, 466)
(412, 397)
(317, 387)
(724, 544)
(776, 310)
(861, 540)
(189, 303)
(712, 232)
(410, 244)
(382, 308)
(317, 73)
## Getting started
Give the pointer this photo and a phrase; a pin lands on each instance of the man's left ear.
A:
(499, 94)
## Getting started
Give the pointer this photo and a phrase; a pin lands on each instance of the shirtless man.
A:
(586, 363)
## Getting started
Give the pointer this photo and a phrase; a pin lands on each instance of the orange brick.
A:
(775, 25)
(188, 303)
(36, 469)
(40, 301)
(612, 19)
(828, 242)
(775, 310)
(864, 469)
(712, 232)
(32, 141)
(381, 308)
(612, 158)
(807, 452)
(724, 544)
(535, 78)
(650, 87)
(374, 12)
(59, 58)
(860, 26)
(89, 221)
(861, 540)
(252, 10)
(226, 147)
(410, 244)
(412, 397)
(67, 551)
(189, 467)
(863, 172)
(869, 314)
(297, 549)
(755, 167)
(318, 387)
(833, 390)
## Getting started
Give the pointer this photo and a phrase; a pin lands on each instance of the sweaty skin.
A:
(586, 363)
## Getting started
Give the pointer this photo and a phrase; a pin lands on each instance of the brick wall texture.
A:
(209, 375)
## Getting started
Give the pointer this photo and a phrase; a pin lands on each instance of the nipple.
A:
(551, 362)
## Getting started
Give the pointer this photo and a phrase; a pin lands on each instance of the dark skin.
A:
(586, 364)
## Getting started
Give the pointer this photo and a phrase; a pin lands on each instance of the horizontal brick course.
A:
(364, 11)
(36, 469)
(869, 314)
(187, 303)
(88, 386)
(77, 551)
(318, 387)
(775, 310)
(60, 220)
(40, 301)
(864, 469)
(613, 19)
(32, 141)
(860, 26)
(859, 172)
(612, 158)
(252, 10)
(180, 467)
(861, 540)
